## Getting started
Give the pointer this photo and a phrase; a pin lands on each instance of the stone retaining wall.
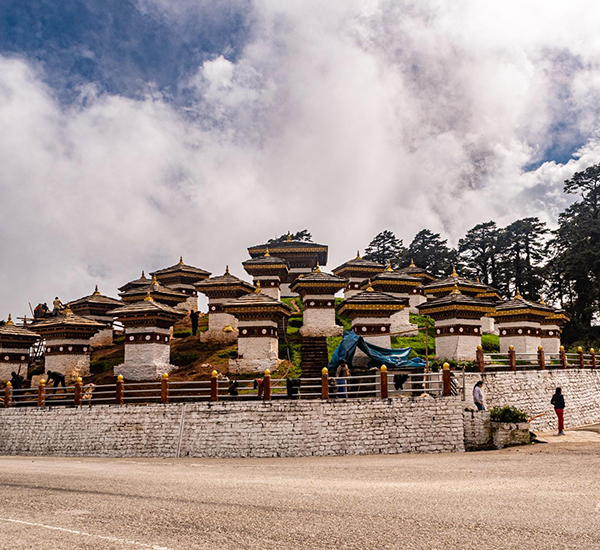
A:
(233, 430)
(531, 392)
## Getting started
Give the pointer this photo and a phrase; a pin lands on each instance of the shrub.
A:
(228, 354)
(508, 414)
(182, 333)
(184, 359)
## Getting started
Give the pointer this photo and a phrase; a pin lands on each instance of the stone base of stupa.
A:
(219, 337)
(253, 366)
(321, 331)
(102, 339)
(143, 371)
(72, 366)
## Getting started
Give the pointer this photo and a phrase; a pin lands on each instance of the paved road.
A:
(538, 497)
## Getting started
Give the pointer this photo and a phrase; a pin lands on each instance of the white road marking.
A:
(82, 533)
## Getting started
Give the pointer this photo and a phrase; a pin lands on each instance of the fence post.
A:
(214, 386)
(479, 358)
(384, 382)
(446, 382)
(580, 357)
(325, 383)
(267, 385)
(541, 358)
(8, 395)
(77, 393)
(41, 402)
(164, 388)
(512, 358)
(563, 357)
(119, 391)
(593, 354)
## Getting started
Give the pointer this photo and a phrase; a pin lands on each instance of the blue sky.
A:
(133, 132)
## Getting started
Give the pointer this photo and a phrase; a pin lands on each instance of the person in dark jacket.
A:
(57, 378)
(16, 380)
(558, 401)
(194, 319)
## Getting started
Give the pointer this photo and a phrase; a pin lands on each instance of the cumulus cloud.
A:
(345, 117)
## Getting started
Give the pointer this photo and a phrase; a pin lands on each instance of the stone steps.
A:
(314, 356)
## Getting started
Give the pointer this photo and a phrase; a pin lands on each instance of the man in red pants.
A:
(559, 408)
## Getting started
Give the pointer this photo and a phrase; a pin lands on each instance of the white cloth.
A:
(477, 395)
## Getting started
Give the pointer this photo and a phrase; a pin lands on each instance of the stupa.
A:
(357, 271)
(143, 281)
(159, 293)
(418, 272)
(182, 278)
(457, 324)
(551, 329)
(268, 271)
(301, 256)
(147, 338)
(96, 307)
(222, 325)
(67, 342)
(317, 291)
(15, 346)
(258, 318)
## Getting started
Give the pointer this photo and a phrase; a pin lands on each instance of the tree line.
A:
(560, 265)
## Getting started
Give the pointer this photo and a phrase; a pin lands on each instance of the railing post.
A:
(214, 386)
(267, 385)
(479, 358)
(541, 358)
(512, 358)
(563, 357)
(446, 381)
(593, 354)
(384, 382)
(164, 388)
(77, 393)
(119, 391)
(325, 383)
(8, 395)
(41, 401)
(580, 357)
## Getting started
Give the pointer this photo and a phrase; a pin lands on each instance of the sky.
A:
(136, 131)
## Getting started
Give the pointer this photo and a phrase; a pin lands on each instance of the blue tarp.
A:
(391, 358)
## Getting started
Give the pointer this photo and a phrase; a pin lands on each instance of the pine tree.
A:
(302, 236)
(479, 253)
(429, 251)
(385, 247)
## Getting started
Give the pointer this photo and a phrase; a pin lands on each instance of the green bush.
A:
(490, 343)
(182, 333)
(228, 354)
(508, 414)
(184, 359)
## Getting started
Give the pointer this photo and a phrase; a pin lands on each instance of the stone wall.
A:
(232, 430)
(531, 392)
(477, 430)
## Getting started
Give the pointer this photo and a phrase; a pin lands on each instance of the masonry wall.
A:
(531, 392)
(233, 430)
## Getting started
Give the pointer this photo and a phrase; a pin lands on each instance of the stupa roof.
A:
(147, 306)
(319, 279)
(227, 280)
(520, 306)
(67, 319)
(373, 300)
(259, 301)
(266, 260)
(447, 284)
(456, 300)
(359, 264)
(181, 267)
(10, 330)
(415, 271)
(143, 280)
(96, 298)
(156, 289)
(393, 276)
(289, 249)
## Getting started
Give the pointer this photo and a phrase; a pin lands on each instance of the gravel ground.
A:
(536, 497)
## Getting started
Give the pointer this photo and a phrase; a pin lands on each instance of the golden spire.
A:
(148, 297)
(143, 275)
(456, 290)
(518, 295)
(542, 301)
(369, 287)
(267, 255)
(288, 238)
(68, 310)
(180, 260)
(257, 291)
(154, 280)
(389, 266)
(10, 321)
(358, 255)
(226, 270)
(454, 274)
(317, 269)
(96, 291)
(412, 263)
(478, 279)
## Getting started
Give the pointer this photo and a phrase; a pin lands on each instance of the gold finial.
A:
(542, 301)
(456, 290)
(317, 269)
(79, 380)
(412, 263)
(518, 295)
(215, 374)
(180, 260)
(143, 275)
(289, 237)
(10, 321)
(227, 328)
(383, 368)
(227, 270)
(120, 378)
(389, 266)
(148, 297)
(358, 255)
(454, 274)
(369, 287)
(324, 370)
(478, 279)
(267, 372)
(68, 310)
(257, 287)
(267, 255)
(154, 280)
(96, 291)
(446, 366)
(165, 375)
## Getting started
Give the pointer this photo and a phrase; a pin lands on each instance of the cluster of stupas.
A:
(376, 298)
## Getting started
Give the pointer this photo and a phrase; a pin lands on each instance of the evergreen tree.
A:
(303, 236)
(430, 251)
(385, 247)
(479, 253)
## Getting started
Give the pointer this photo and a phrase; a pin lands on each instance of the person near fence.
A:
(478, 396)
(341, 375)
(57, 378)
(558, 400)
(233, 388)
(16, 380)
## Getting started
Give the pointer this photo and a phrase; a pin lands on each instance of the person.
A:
(58, 305)
(558, 400)
(194, 319)
(478, 396)
(233, 388)
(341, 375)
(57, 378)
(16, 380)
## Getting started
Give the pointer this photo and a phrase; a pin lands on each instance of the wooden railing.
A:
(513, 361)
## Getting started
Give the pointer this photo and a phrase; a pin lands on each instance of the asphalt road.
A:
(537, 497)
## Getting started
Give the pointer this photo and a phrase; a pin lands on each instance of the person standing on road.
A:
(478, 396)
(558, 401)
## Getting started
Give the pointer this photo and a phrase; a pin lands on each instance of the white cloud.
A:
(345, 117)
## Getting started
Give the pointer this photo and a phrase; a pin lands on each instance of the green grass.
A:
(417, 343)
(490, 343)
(184, 359)
(332, 343)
